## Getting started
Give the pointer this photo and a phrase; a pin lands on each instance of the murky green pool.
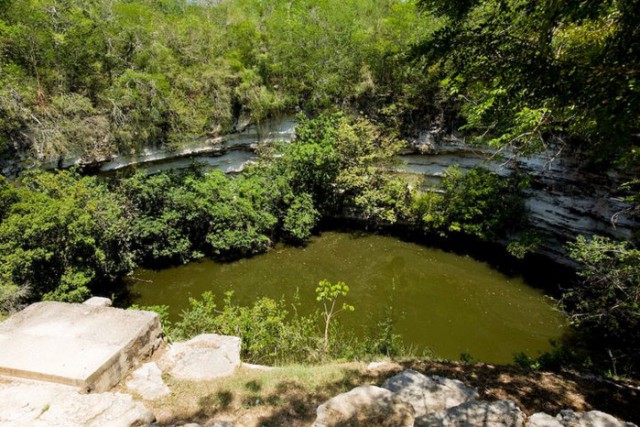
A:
(448, 303)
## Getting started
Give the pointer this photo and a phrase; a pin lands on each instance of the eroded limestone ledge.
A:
(86, 346)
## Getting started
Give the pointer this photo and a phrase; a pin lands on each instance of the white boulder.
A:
(202, 358)
(429, 394)
(147, 382)
(476, 413)
(98, 302)
(540, 419)
(365, 406)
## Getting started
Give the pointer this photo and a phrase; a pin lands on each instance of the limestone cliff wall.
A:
(567, 198)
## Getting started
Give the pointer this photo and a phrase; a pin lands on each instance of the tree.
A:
(524, 71)
(328, 294)
(606, 299)
(478, 203)
(64, 237)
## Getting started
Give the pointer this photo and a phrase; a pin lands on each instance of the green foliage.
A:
(328, 294)
(478, 203)
(180, 217)
(521, 72)
(200, 318)
(266, 331)
(345, 165)
(63, 237)
(523, 243)
(300, 218)
(558, 358)
(94, 78)
(386, 342)
(272, 334)
(163, 313)
(606, 301)
(311, 161)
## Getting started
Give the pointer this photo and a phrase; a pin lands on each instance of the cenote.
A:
(446, 303)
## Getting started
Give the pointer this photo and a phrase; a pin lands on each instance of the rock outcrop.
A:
(569, 418)
(365, 406)
(147, 382)
(41, 404)
(429, 394)
(477, 413)
(567, 198)
(202, 358)
(88, 346)
(440, 402)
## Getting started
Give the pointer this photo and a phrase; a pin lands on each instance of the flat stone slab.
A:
(27, 403)
(86, 346)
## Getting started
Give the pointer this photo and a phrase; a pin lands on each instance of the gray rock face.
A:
(566, 199)
(476, 413)
(53, 405)
(202, 358)
(568, 418)
(541, 419)
(147, 382)
(429, 394)
(98, 302)
(440, 402)
(365, 406)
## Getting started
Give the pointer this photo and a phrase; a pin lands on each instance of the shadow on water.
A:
(537, 270)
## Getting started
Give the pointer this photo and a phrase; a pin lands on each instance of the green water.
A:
(448, 303)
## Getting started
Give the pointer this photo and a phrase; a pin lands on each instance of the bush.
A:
(271, 334)
(605, 301)
(479, 203)
(63, 237)
(267, 334)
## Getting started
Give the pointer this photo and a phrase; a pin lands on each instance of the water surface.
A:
(448, 303)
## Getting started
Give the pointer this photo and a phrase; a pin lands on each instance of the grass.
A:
(285, 396)
(290, 395)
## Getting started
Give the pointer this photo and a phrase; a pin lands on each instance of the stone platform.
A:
(85, 346)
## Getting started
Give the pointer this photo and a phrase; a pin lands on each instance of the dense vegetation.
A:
(273, 333)
(92, 78)
(64, 236)
(523, 72)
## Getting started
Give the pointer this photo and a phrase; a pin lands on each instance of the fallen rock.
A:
(147, 382)
(429, 394)
(540, 419)
(384, 366)
(569, 418)
(98, 302)
(365, 406)
(476, 413)
(52, 405)
(202, 358)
